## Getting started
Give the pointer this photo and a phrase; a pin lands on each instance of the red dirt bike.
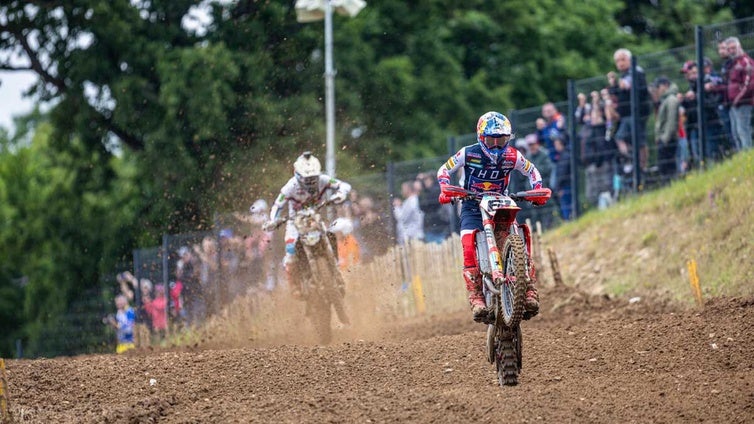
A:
(503, 252)
(322, 285)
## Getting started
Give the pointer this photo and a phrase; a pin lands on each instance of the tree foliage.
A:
(155, 125)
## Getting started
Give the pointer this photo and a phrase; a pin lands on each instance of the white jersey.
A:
(298, 197)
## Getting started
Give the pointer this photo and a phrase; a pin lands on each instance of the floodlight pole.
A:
(329, 92)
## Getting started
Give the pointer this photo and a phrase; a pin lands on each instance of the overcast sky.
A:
(11, 103)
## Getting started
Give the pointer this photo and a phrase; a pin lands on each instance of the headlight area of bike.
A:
(308, 229)
(503, 208)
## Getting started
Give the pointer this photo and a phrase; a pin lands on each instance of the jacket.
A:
(666, 124)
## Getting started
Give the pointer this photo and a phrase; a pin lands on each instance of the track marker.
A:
(696, 288)
(5, 417)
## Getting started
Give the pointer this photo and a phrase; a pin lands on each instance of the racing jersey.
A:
(484, 172)
(298, 197)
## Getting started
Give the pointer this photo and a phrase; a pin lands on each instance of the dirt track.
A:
(585, 360)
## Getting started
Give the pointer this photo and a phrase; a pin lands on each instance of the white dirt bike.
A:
(322, 285)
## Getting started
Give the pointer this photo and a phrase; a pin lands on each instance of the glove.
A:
(444, 199)
(269, 225)
(338, 198)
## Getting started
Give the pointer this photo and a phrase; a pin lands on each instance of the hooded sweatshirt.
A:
(666, 124)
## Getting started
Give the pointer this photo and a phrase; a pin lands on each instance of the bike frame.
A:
(498, 210)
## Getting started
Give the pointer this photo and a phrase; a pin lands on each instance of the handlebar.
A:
(449, 193)
(274, 225)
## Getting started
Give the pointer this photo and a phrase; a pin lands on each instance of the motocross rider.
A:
(486, 167)
(307, 187)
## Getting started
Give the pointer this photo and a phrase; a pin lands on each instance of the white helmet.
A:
(307, 169)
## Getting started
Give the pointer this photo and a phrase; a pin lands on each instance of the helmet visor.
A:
(496, 141)
(310, 182)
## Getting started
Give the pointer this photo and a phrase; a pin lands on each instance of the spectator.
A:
(157, 310)
(552, 126)
(713, 99)
(563, 184)
(666, 126)
(721, 88)
(349, 252)
(712, 129)
(123, 323)
(436, 216)
(583, 119)
(688, 102)
(520, 182)
(371, 233)
(620, 87)
(207, 254)
(740, 93)
(598, 151)
(257, 258)
(231, 250)
(191, 290)
(408, 217)
(542, 162)
(129, 285)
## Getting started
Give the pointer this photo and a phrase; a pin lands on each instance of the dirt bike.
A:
(322, 285)
(503, 252)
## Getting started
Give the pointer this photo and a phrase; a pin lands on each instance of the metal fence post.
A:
(700, 94)
(575, 150)
(635, 122)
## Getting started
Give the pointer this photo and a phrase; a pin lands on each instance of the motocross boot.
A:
(476, 297)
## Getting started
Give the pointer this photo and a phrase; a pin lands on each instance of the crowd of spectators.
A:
(604, 122)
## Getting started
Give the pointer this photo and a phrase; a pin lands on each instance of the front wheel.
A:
(513, 286)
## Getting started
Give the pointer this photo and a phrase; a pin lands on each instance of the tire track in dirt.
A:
(585, 360)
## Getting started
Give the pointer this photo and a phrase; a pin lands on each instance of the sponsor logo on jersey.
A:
(450, 164)
(486, 186)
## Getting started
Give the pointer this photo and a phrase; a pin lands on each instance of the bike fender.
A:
(482, 252)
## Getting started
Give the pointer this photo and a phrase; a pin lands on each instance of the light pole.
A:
(315, 10)
(329, 93)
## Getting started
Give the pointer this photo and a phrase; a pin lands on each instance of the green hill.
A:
(642, 245)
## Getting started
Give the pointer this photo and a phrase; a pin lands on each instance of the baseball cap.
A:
(660, 81)
(687, 66)
(531, 139)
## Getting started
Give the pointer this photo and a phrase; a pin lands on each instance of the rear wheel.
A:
(513, 288)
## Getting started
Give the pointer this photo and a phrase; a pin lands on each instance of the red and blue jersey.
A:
(484, 171)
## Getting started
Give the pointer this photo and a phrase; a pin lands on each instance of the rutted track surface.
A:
(586, 360)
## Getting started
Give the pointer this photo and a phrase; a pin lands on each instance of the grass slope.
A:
(642, 245)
